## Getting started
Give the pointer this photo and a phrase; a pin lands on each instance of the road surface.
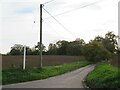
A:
(68, 80)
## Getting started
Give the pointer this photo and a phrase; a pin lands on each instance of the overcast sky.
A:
(83, 19)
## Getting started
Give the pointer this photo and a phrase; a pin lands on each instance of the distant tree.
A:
(34, 51)
(99, 39)
(38, 47)
(80, 41)
(52, 49)
(15, 52)
(103, 47)
(95, 51)
(17, 49)
(75, 47)
(110, 42)
(29, 51)
(61, 47)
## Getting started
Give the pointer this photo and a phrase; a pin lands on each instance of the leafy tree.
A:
(66, 48)
(110, 42)
(38, 47)
(14, 52)
(34, 51)
(61, 47)
(16, 49)
(29, 51)
(99, 45)
(75, 47)
(95, 51)
(99, 39)
(80, 41)
(52, 49)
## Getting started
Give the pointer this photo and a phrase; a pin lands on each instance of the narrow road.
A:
(68, 80)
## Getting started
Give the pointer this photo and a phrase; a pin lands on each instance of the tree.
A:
(61, 47)
(15, 52)
(38, 47)
(110, 42)
(34, 51)
(52, 49)
(17, 49)
(75, 47)
(99, 39)
(66, 48)
(95, 51)
(80, 41)
(29, 51)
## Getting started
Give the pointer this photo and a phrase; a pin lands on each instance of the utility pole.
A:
(41, 5)
(24, 59)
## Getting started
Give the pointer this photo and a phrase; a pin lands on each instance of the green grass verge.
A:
(104, 76)
(16, 75)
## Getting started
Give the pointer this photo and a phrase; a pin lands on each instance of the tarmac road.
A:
(68, 80)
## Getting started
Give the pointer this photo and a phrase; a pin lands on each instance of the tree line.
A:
(97, 49)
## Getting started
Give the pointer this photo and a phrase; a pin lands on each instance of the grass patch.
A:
(16, 75)
(104, 76)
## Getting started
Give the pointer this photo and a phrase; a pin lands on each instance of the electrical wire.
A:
(55, 30)
(82, 6)
(48, 2)
(60, 24)
(52, 28)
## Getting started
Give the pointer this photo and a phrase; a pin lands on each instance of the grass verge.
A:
(104, 76)
(16, 75)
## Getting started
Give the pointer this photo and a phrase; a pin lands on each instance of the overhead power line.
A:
(57, 33)
(53, 29)
(48, 2)
(82, 6)
(60, 24)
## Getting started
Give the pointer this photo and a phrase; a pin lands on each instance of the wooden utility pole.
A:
(41, 5)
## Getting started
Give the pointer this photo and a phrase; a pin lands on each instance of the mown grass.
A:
(104, 76)
(16, 75)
